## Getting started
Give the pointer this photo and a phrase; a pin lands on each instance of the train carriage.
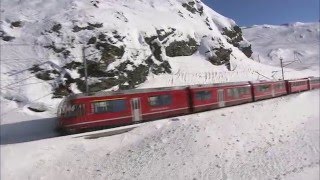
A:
(206, 97)
(123, 107)
(268, 89)
(314, 83)
(297, 85)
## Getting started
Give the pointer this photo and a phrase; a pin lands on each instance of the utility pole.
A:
(281, 63)
(85, 69)
(286, 63)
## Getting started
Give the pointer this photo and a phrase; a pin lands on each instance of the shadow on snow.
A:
(28, 131)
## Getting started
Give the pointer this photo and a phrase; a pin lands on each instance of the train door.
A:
(273, 86)
(136, 109)
(221, 98)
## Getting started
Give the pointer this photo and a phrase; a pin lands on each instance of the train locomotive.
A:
(82, 112)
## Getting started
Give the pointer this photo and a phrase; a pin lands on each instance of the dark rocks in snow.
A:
(94, 69)
(90, 26)
(61, 91)
(5, 37)
(162, 34)
(95, 3)
(135, 77)
(16, 24)
(208, 23)
(163, 67)
(35, 68)
(92, 40)
(37, 107)
(247, 50)
(109, 52)
(44, 75)
(235, 37)
(73, 65)
(8, 38)
(121, 16)
(56, 28)
(124, 77)
(59, 50)
(182, 48)
(76, 28)
(194, 8)
(156, 49)
(95, 25)
(222, 56)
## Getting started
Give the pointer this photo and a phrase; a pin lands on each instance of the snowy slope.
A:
(127, 41)
(298, 41)
(272, 139)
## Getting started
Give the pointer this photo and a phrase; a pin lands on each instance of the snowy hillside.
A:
(128, 44)
(298, 42)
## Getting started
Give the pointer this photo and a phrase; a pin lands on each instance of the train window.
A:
(118, 105)
(301, 83)
(233, 92)
(243, 90)
(109, 106)
(264, 88)
(203, 95)
(161, 100)
(279, 86)
(229, 92)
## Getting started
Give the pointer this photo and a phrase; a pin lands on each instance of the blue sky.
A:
(250, 12)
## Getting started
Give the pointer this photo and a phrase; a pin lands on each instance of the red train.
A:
(82, 112)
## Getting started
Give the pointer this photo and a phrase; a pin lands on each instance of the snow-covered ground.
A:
(298, 42)
(271, 139)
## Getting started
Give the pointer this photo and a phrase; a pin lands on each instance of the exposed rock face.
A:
(235, 37)
(222, 56)
(182, 48)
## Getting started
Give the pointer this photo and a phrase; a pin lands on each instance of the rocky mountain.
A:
(124, 41)
(126, 44)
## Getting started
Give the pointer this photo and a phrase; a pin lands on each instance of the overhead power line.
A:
(29, 77)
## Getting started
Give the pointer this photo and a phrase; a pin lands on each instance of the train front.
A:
(68, 114)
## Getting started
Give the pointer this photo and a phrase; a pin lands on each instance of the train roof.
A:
(220, 84)
(136, 91)
(265, 81)
(300, 79)
(131, 91)
(314, 78)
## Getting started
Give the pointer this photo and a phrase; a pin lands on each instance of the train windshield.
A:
(67, 110)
